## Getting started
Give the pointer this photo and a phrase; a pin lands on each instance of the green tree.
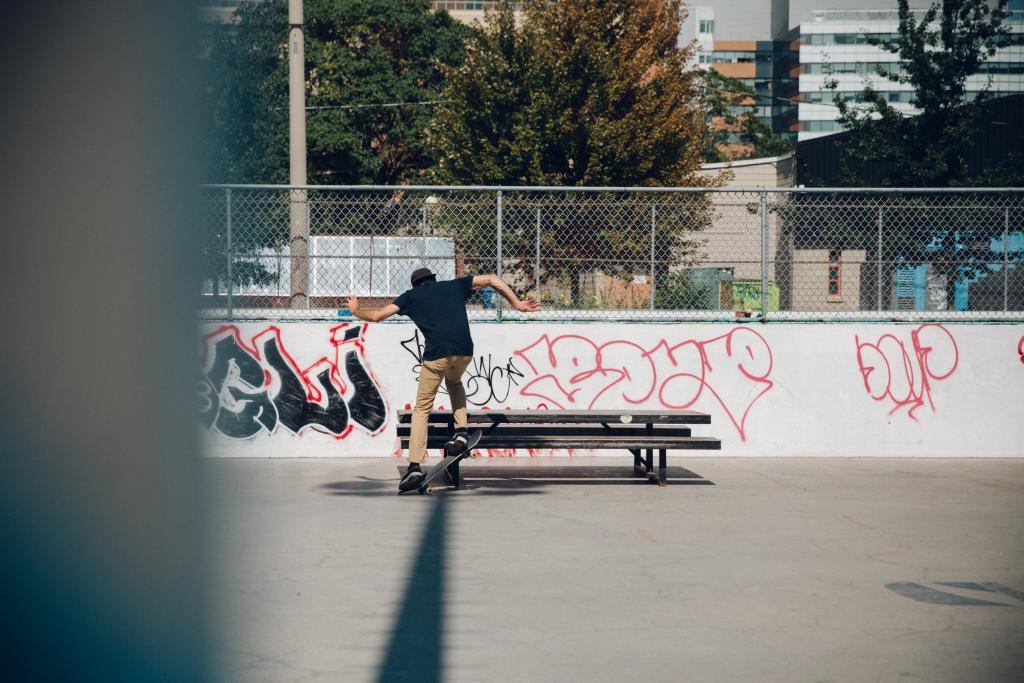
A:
(936, 52)
(362, 57)
(733, 131)
(592, 92)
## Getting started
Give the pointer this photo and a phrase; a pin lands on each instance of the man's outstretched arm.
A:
(373, 315)
(529, 306)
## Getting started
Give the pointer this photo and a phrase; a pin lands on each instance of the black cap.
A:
(421, 274)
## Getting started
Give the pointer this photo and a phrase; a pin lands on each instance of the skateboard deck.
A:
(436, 470)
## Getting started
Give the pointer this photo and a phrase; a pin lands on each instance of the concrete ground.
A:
(742, 569)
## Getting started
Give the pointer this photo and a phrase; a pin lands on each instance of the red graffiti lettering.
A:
(1020, 349)
(571, 370)
(903, 376)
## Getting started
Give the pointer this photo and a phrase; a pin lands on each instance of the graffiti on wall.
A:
(1020, 349)
(248, 388)
(485, 380)
(900, 373)
(572, 371)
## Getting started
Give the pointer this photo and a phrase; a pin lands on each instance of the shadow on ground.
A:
(416, 645)
(517, 479)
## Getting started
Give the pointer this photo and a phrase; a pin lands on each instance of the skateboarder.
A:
(439, 311)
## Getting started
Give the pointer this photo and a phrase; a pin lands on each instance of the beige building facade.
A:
(805, 271)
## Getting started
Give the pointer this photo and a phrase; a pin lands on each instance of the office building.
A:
(751, 42)
(834, 46)
(466, 11)
(787, 50)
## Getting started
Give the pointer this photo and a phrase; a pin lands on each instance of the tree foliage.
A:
(936, 52)
(593, 92)
(360, 54)
(734, 132)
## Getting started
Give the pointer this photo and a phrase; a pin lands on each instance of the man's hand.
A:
(502, 288)
(353, 304)
(528, 306)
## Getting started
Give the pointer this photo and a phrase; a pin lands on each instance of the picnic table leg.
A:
(662, 468)
(454, 475)
(636, 460)
(649, 465)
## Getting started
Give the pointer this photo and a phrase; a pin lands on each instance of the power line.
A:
(436, 102)
(379, 105)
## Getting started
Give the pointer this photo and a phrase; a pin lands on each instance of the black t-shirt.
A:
(439, 310)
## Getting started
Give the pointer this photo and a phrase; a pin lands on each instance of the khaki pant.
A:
(449, 369)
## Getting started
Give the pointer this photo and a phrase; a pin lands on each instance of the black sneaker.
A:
(411, 479)
(457, 444)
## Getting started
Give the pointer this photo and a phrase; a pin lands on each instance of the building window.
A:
(835, 267)
(821, 126)
(894, 97)
(732, 57)
(896, 68)
(706, 26)
(470, 5)
(863, 68)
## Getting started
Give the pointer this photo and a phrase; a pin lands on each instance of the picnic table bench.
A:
(641, 432)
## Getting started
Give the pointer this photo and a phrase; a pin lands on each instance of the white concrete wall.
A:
(786, 389)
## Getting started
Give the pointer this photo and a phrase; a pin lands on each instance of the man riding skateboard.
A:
(439, 311)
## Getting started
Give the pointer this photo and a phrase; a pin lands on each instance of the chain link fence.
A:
(275, 252)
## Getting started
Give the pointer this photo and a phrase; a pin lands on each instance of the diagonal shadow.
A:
(537, 476)
(415, 649)
(516, 480)
(916, 591)
(373, 489)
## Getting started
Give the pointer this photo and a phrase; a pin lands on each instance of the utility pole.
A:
(298, 201)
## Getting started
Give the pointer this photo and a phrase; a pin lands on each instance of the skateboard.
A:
(436, 470)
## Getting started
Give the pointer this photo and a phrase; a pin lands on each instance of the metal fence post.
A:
(423, 237)
(298, 241)
(764, 255)
(878, 261)
(536, 267)
(228, 254)
(499, 299)
(654, 222)
(1006, 258)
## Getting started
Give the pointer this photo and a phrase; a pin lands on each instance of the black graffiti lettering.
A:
(237, 379)
(227, 350)
(243, 413)
(367, 405)
(209, 404)
(294, 410)
(414, 347)
(485, 382)
(235, 394)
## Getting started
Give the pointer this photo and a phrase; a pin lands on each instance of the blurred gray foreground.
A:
(743, 569)
(102, 511)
